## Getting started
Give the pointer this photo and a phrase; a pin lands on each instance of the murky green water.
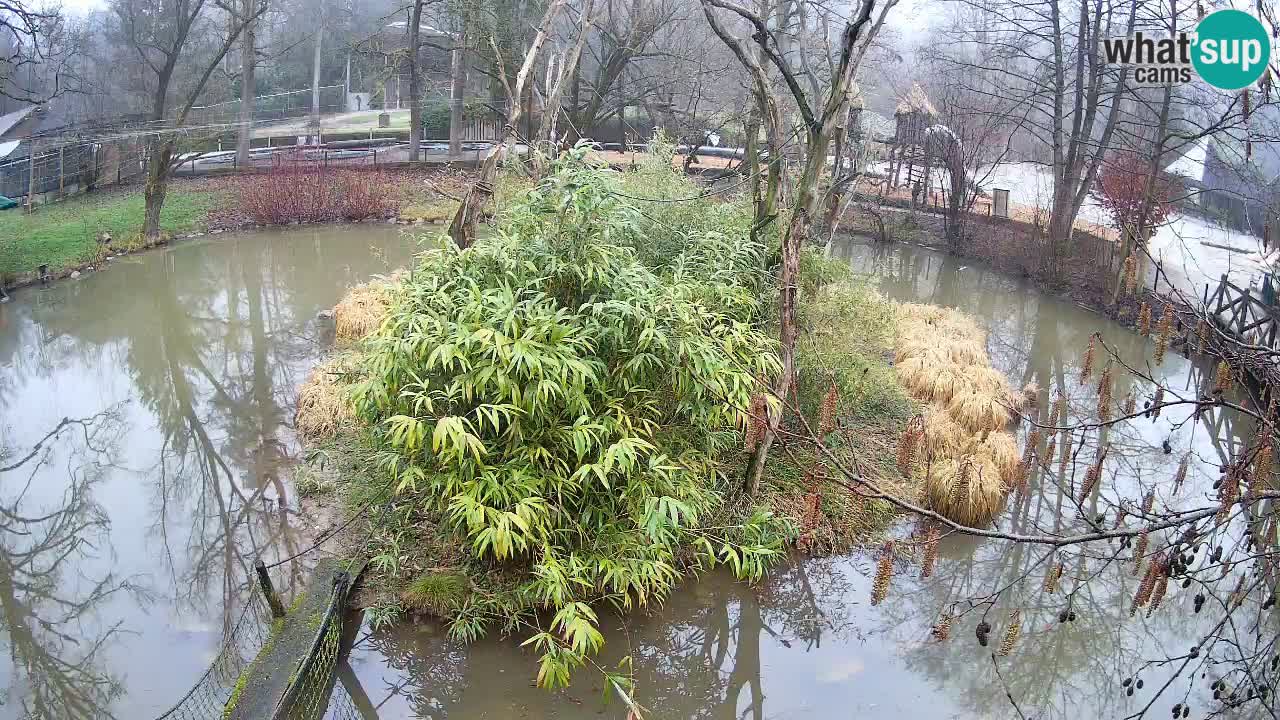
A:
(807, 644)
(125, 540)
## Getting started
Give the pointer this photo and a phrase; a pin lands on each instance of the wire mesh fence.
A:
(307, 695)
(208, 698)
(51, 170)
(276, 106)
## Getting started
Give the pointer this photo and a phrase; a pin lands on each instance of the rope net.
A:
(307, 697)
(208, 697)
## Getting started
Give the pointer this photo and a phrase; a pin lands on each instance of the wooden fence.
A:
(1244, 315)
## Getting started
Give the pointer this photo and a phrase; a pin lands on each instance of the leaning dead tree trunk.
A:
(463, 227)
(546, 136)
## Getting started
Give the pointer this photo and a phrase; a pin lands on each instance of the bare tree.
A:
(557, 74)
(37, 54)
(169, 37)
(1048, 65)
(820, 116)
(463, 227)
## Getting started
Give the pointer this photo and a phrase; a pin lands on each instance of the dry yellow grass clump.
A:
(968, 490)
(969, 459)
(324, 406)
(362, 309)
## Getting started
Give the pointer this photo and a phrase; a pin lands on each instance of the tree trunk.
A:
(161, 154)
(315, 74)
(462, 230)
(415, 92)
(551, 109)
(797, 233)
(248, 89)
(457, 94)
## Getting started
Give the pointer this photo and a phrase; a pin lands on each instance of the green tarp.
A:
(6, 203)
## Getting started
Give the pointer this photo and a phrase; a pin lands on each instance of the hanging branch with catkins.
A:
(884, 574)
(1157, 402)
(1011, 633)
(909, 445)
(1228, 493)
(1161, 584)
(1140, 548)
(1143, 594)
(942, 629)
(1052, 577)
(1144, 319)
(1059, 415)
(1130, 403)
(1262, 464)
(1180, 476)
(1163, 332)
(1092, 477)
(1221, 378)
(1104, 394)
(1065, 456)
(1131, 275)
(930, 549)
(1086, 368)
(1027, 462)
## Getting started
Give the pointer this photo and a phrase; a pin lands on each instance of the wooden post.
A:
(62, 174)
(268, 590)
(31, 180)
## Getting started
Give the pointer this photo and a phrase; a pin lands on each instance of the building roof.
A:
(8, 122)
(1190, 164)
(915, 101)
(424, 29)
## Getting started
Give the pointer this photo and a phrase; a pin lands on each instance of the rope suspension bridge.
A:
(278, 663)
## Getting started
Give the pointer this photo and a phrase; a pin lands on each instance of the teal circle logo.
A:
(1231, 49)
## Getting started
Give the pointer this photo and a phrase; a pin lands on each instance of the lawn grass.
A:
(65, 234)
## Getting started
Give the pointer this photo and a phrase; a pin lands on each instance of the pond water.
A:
(807, 644)
(126, 540)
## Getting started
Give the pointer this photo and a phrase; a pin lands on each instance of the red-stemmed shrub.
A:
(1122, 188)
(292, 192)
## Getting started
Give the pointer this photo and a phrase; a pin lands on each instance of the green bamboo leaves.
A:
(560, 396)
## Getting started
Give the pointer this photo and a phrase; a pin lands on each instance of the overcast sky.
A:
(80, 7)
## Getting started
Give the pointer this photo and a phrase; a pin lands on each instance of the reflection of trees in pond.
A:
(46, 607)
(702, 654)
(212, 370)
(1136, 519)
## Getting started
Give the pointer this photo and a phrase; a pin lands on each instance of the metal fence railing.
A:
(273, 107)
(46, 170)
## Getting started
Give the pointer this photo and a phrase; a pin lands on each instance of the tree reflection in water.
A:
(47, 608)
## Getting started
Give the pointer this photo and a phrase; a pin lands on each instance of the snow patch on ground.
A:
(1179, 244)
